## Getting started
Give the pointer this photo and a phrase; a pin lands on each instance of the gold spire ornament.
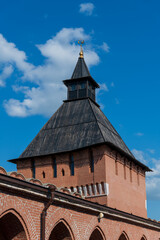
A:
(81, 42)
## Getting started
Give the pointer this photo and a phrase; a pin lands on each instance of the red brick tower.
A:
(79, 149)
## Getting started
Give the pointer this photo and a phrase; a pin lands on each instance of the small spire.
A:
(81, 42)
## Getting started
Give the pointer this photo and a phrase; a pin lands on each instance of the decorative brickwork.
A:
(68, 220)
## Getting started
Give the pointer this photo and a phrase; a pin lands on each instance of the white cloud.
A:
(46, 90)
(103, 87)
(139, 155)
(152, 178)
(152, 151)
(6, 72)
(105, 47)
(87, 8)
(153, 181)
(9, 54)
(139, 134)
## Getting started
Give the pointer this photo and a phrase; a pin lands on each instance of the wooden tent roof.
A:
(76, 125)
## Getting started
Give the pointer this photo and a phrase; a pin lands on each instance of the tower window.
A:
(63, 172)
(33, 169)
(116, 165)
(130, 172)
(82, 85)
(73, 87)
(72, 165)
(138, 175)
(124, 167)
(54, 168)
(91, 161)
(44, 175)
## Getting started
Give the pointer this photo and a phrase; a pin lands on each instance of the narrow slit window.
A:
(91, 160)
(130, 172)
(116, 165)
(124, 169)
(72, 165)
(63, 172)
(44, 175)
(138, 175)
(33, 169)
(54, 168)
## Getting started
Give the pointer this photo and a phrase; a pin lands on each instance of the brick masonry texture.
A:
(79, 224)
(127, 191)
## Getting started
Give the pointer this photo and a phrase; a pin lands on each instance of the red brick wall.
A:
(127, 191)
(82, 174)
(80, 224)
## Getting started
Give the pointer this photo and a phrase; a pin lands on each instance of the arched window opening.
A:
(63, 172)
(77, 187)
(60, 232)
(123, 236)
(33, 168)
(143, 238)
(11, 228)
(87, 189)
(44, 175)
(96, 234)
(71, 164)
(103, 190)
(54, 168)
(91, 161)
(92, 188)
(97, 186)
(82, 190)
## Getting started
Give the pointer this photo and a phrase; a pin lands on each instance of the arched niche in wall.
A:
(12, 227)
(143, 238)
(61, 232)
(97, 234)
(123, 236)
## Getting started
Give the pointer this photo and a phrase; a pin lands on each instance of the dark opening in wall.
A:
(91, 160)
(33, 168)
(130, 171)
(44, 175)
(54, 168)
(124, 167)
(71, 164)
(116, 165)
(138, 175)
(63, 172)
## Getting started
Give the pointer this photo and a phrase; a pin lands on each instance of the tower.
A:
(79, 149)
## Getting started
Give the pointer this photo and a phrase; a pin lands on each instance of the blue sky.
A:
(38, 49)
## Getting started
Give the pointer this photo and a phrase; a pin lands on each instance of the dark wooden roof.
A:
(75, 125)
(81, 69)
(81, 73)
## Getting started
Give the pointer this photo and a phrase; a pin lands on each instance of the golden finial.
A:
(81, 42)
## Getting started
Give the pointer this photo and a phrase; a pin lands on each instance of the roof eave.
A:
(67, 81)
(146, 168)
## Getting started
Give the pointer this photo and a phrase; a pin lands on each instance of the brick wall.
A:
(79, 224)
(125, 181)
(127, 189)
